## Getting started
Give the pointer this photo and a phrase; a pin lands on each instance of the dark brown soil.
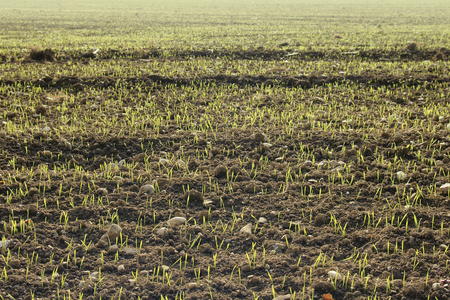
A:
(42, 55)
(62, 187)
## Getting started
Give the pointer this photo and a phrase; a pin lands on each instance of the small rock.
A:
(307, 163)
(130, 250)
(323, 164)
(262, 220)
(102, 191)
(181, 164)
(254, 281)
(163, 161)
(67, 144)
(176, 221)
(436, 286)
(335, 275)
(443, 247)
(247, 228)
(110, 236)
(445, 188)
(334, 164)
(46, 153)
(276, 248)
(283, 297)
(93, 276)
(121, 268)
(163, 231)
(113, 249)
(264, 148)
(113, 232)
(4, 244)
(401, 176)
(165, 268)
(262, 137)
(192, 285)
(147, 189)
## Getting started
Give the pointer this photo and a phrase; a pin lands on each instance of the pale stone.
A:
(401, 175)
(335, 275)
(181, 164)
(334, 164)
(262, 220)
(162, 231)
(147, 189)
(283, 297)
(445, 188)
(165, 268)
(113, 232)
(93, 276)
(262, 137)
(247, 228)
(176, 221)
(192, 285)
(129, 250)
(4, 244)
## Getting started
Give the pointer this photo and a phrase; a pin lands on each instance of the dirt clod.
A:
(320, 219)
(42, 55)
(220, 172)
(194, 196)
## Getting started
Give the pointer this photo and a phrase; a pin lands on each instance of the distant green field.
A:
(224, 24)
